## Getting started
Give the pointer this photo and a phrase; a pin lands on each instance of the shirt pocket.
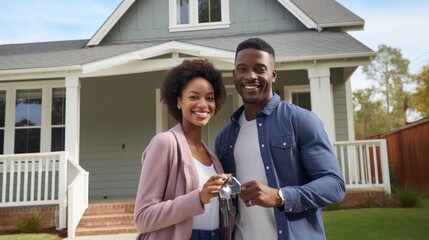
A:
(283, 150)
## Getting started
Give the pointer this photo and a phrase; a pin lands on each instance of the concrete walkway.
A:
(124, 236)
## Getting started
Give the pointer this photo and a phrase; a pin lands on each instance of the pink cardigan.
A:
(168, 196)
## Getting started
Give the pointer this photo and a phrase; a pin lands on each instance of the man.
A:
(279, 152)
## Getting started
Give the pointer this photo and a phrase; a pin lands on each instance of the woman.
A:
(177, 197)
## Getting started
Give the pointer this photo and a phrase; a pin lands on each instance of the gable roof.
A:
(313, 14)
(110, 22)
(323, 14)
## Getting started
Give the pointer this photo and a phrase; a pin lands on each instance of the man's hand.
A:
(256, 193)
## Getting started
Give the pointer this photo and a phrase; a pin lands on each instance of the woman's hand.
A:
(212, 187)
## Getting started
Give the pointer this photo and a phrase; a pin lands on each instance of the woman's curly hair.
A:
(178, 77)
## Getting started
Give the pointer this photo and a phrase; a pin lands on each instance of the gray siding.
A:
(149, 19)
(340, 112)
(117, 122)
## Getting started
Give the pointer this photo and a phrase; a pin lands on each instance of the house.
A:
(76, 115)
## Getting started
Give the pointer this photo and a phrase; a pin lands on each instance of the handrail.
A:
(34, 179)
(364, 163)
(77, 196)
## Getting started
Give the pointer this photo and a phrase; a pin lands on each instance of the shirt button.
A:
(284, 144)
(267, 167)
(260, 124)
(230, 146)
(290, 209)
(262, 145)
(280, 232)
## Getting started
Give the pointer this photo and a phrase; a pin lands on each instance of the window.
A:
(188, 15)
(298, 95)
(28, 119)
(32, 117)
(2, 119)
(58, 119)
(209, 11)
(302, 99)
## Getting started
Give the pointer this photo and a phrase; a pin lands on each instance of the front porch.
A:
(54, 179)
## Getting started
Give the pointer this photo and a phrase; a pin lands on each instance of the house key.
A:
(227, 206)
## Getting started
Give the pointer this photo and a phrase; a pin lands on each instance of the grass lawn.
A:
(41, 236)
(378, 223)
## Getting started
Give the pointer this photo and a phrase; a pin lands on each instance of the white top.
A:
(209, 220)
(254, 222)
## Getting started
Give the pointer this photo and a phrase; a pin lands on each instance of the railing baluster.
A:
(18, 181)
(352, 158)
(39, 179)
(12, 173)
(32, 184)
(3, 190)
(368, 163)
(46, 160)
(360, 167)
(25, 180)
(343, 166)
(375, 157)
(53, 178)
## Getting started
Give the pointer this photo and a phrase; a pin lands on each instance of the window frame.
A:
(46, 125)
(289, 90)
(193, 15)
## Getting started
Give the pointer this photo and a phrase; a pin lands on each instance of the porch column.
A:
(72, 117)
(322, 99)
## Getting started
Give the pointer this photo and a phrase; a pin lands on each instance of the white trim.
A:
(110, 22)
(38, 73)
(72, 84)
(290, 89)
(161, 49)
(322, 102)
(193, 15)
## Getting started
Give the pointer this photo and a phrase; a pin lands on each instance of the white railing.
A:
(34, 179)
(364, 163)
(77, 196)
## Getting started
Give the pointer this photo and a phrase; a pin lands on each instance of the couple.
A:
(278, 151)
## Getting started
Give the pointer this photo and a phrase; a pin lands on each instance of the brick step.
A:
(106, 208)
(105, 230)
(107, 219)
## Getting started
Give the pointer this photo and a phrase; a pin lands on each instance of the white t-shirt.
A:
(209, 220)
(254, 222)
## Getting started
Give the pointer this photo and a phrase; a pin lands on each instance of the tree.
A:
(390, 72)
(369, 115)
(421, 97)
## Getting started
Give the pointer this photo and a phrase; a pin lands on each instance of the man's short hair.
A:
(255, 43)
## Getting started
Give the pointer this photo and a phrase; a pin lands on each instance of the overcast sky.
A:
(397, 23)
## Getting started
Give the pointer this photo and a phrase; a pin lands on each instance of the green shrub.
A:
(333, 207)
(31, 223)
(370, 201)
(408, 197)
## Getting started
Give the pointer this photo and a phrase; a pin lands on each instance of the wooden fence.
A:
(408, 150)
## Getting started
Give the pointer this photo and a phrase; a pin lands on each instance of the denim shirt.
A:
(298, 159)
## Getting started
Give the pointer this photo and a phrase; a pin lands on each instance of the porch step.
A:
(105, 230)
(107, 217)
